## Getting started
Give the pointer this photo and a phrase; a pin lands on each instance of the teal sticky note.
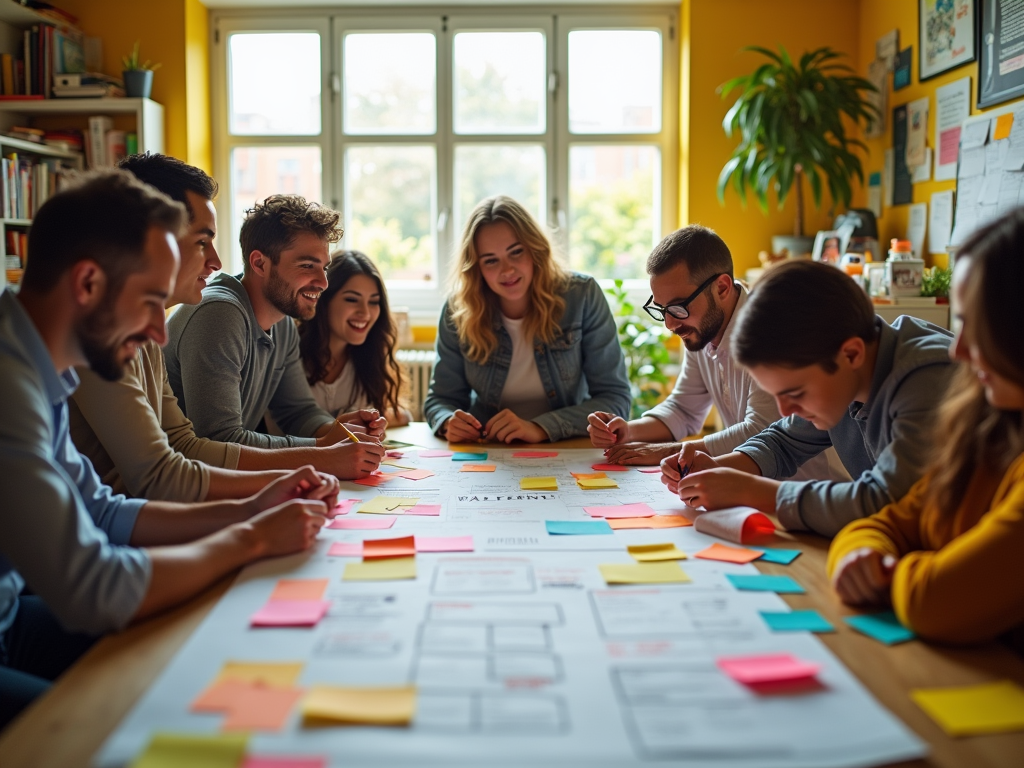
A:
(883, 627)
(469, 456)
(781, 556)
(763, 583)
(577, 527)
(796, 621)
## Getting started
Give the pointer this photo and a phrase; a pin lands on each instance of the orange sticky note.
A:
(658, 521)
(281, 674)
(478, 467)
(1003, 125)
(729, 554)
(588, 475)
(400, 547)
(610, 468)
(374, 480)
(249, 706)
(299, 589)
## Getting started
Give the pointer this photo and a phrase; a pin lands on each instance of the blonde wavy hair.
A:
(473, 304)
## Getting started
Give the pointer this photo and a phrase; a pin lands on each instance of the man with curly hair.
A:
(235, 356)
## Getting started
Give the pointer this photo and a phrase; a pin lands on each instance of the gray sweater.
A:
(883, 443)
(227, 372)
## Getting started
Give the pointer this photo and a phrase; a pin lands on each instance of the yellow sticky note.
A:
(590, 484)
(387, 505)
(329, 705)
(382, 569)
(277, 675)
(971, 709)
(171, 750)
(539, 484)
(649, 553)
(1003, 125)
(644, 573)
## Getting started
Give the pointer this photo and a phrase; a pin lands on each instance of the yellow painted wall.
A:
(718, 30)
(174, 33)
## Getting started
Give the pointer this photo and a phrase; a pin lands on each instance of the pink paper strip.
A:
(620, 510)
(377, 478)
(769, 668)
(374, 523)
(609, 467)
(343, 507)
(444, 543)
(346, 549)
(415, 474)
(534, 454)
(290, 613)
(435, 454)
(431, 510)
(283, 761)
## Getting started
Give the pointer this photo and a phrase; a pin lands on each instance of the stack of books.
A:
(47, 50)
(28, 182)
(17, 252)
(107, 146)
(86, 85)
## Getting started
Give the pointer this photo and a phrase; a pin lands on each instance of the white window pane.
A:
(500, 82)
(516, 170)
(258, 172)
(390, 83)
(618, 93)
(390, 208)
(274, 81)
(614, 207)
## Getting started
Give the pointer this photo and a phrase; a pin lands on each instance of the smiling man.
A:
(842, 377)
(235, 355)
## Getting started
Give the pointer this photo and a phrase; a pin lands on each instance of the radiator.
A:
(417, 367)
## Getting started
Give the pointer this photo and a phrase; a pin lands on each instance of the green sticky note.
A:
(883, 627)
(796, 621)
(172, 750)
(781, 556)
(764, 583)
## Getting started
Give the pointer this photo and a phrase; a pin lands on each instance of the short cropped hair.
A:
(272, 226)
(800, 314)
(172, 177)
(104, 216)
(701, 249)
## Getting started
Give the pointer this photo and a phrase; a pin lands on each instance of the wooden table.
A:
(68, 725)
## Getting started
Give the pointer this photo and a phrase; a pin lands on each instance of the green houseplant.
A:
(643, 344)
(793, 119)
(138, 75)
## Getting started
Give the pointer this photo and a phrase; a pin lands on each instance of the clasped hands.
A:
(503, 427)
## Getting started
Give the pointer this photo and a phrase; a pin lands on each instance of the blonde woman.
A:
(526, 350)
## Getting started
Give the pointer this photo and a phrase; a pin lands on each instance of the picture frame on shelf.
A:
(829, 246)
(947, 36)
(999, 78)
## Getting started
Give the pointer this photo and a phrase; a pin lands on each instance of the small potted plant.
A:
(138, 76)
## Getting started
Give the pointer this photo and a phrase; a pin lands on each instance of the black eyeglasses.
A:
(679, 310)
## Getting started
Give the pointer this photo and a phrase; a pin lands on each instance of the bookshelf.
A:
(144, 117)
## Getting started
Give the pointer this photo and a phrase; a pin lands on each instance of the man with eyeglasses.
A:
(695, 295)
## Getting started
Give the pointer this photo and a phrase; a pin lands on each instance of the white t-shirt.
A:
(523, 392)
(342, 395)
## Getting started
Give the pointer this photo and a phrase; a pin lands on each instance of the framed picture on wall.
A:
(947, 35)
(1000, 57)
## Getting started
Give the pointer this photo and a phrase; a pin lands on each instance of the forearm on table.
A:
(648, 429)
(258, 459)
(234, 484)
(162, 523)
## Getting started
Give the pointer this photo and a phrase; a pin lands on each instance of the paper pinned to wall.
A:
(940, 222)
(888, 177)
(917, 225)
(952, 107)
(917, 133)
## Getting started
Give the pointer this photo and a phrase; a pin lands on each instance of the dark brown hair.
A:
(799, 314)
(701, 249)
(104, 216)
(271, 226)
(376, 369)
(971, 433)
(171, 176)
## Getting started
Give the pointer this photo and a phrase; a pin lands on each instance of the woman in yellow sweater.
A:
(949, 556)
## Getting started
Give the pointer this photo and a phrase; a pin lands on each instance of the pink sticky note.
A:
(444, 543)
(534, 454)
(377, 478)
(435, 454)
(290, 613)
(649, 470)
(609, 468)
(621, 510)
(394, 454)
(431, 510)
(346, 549)
(415, 474)
(283, 761)
(769, 668)
(368, 523)
(343, 507)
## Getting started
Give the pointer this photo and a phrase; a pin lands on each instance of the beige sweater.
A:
(138, 439)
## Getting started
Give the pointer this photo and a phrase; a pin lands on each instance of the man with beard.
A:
(694, 293)
(161, 457)
(235, 355)
(104, 260)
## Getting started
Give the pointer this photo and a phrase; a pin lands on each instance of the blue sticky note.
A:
(764, 583)
(781, 556)
(469, 456)
(883, 627)
(796, 621)
(577, 527)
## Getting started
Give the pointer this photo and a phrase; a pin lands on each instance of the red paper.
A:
(769, 668)
(400, 547)
(373, 480)
(281, 761)
(609, 468)
(534, 454)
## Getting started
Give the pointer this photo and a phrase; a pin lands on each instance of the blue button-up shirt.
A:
(62, 531)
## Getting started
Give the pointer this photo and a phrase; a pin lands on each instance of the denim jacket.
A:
(582, 369)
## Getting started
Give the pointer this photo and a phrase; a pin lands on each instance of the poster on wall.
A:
(1001, 54)
(946, 29)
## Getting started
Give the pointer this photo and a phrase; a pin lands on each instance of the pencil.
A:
(348, 432)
